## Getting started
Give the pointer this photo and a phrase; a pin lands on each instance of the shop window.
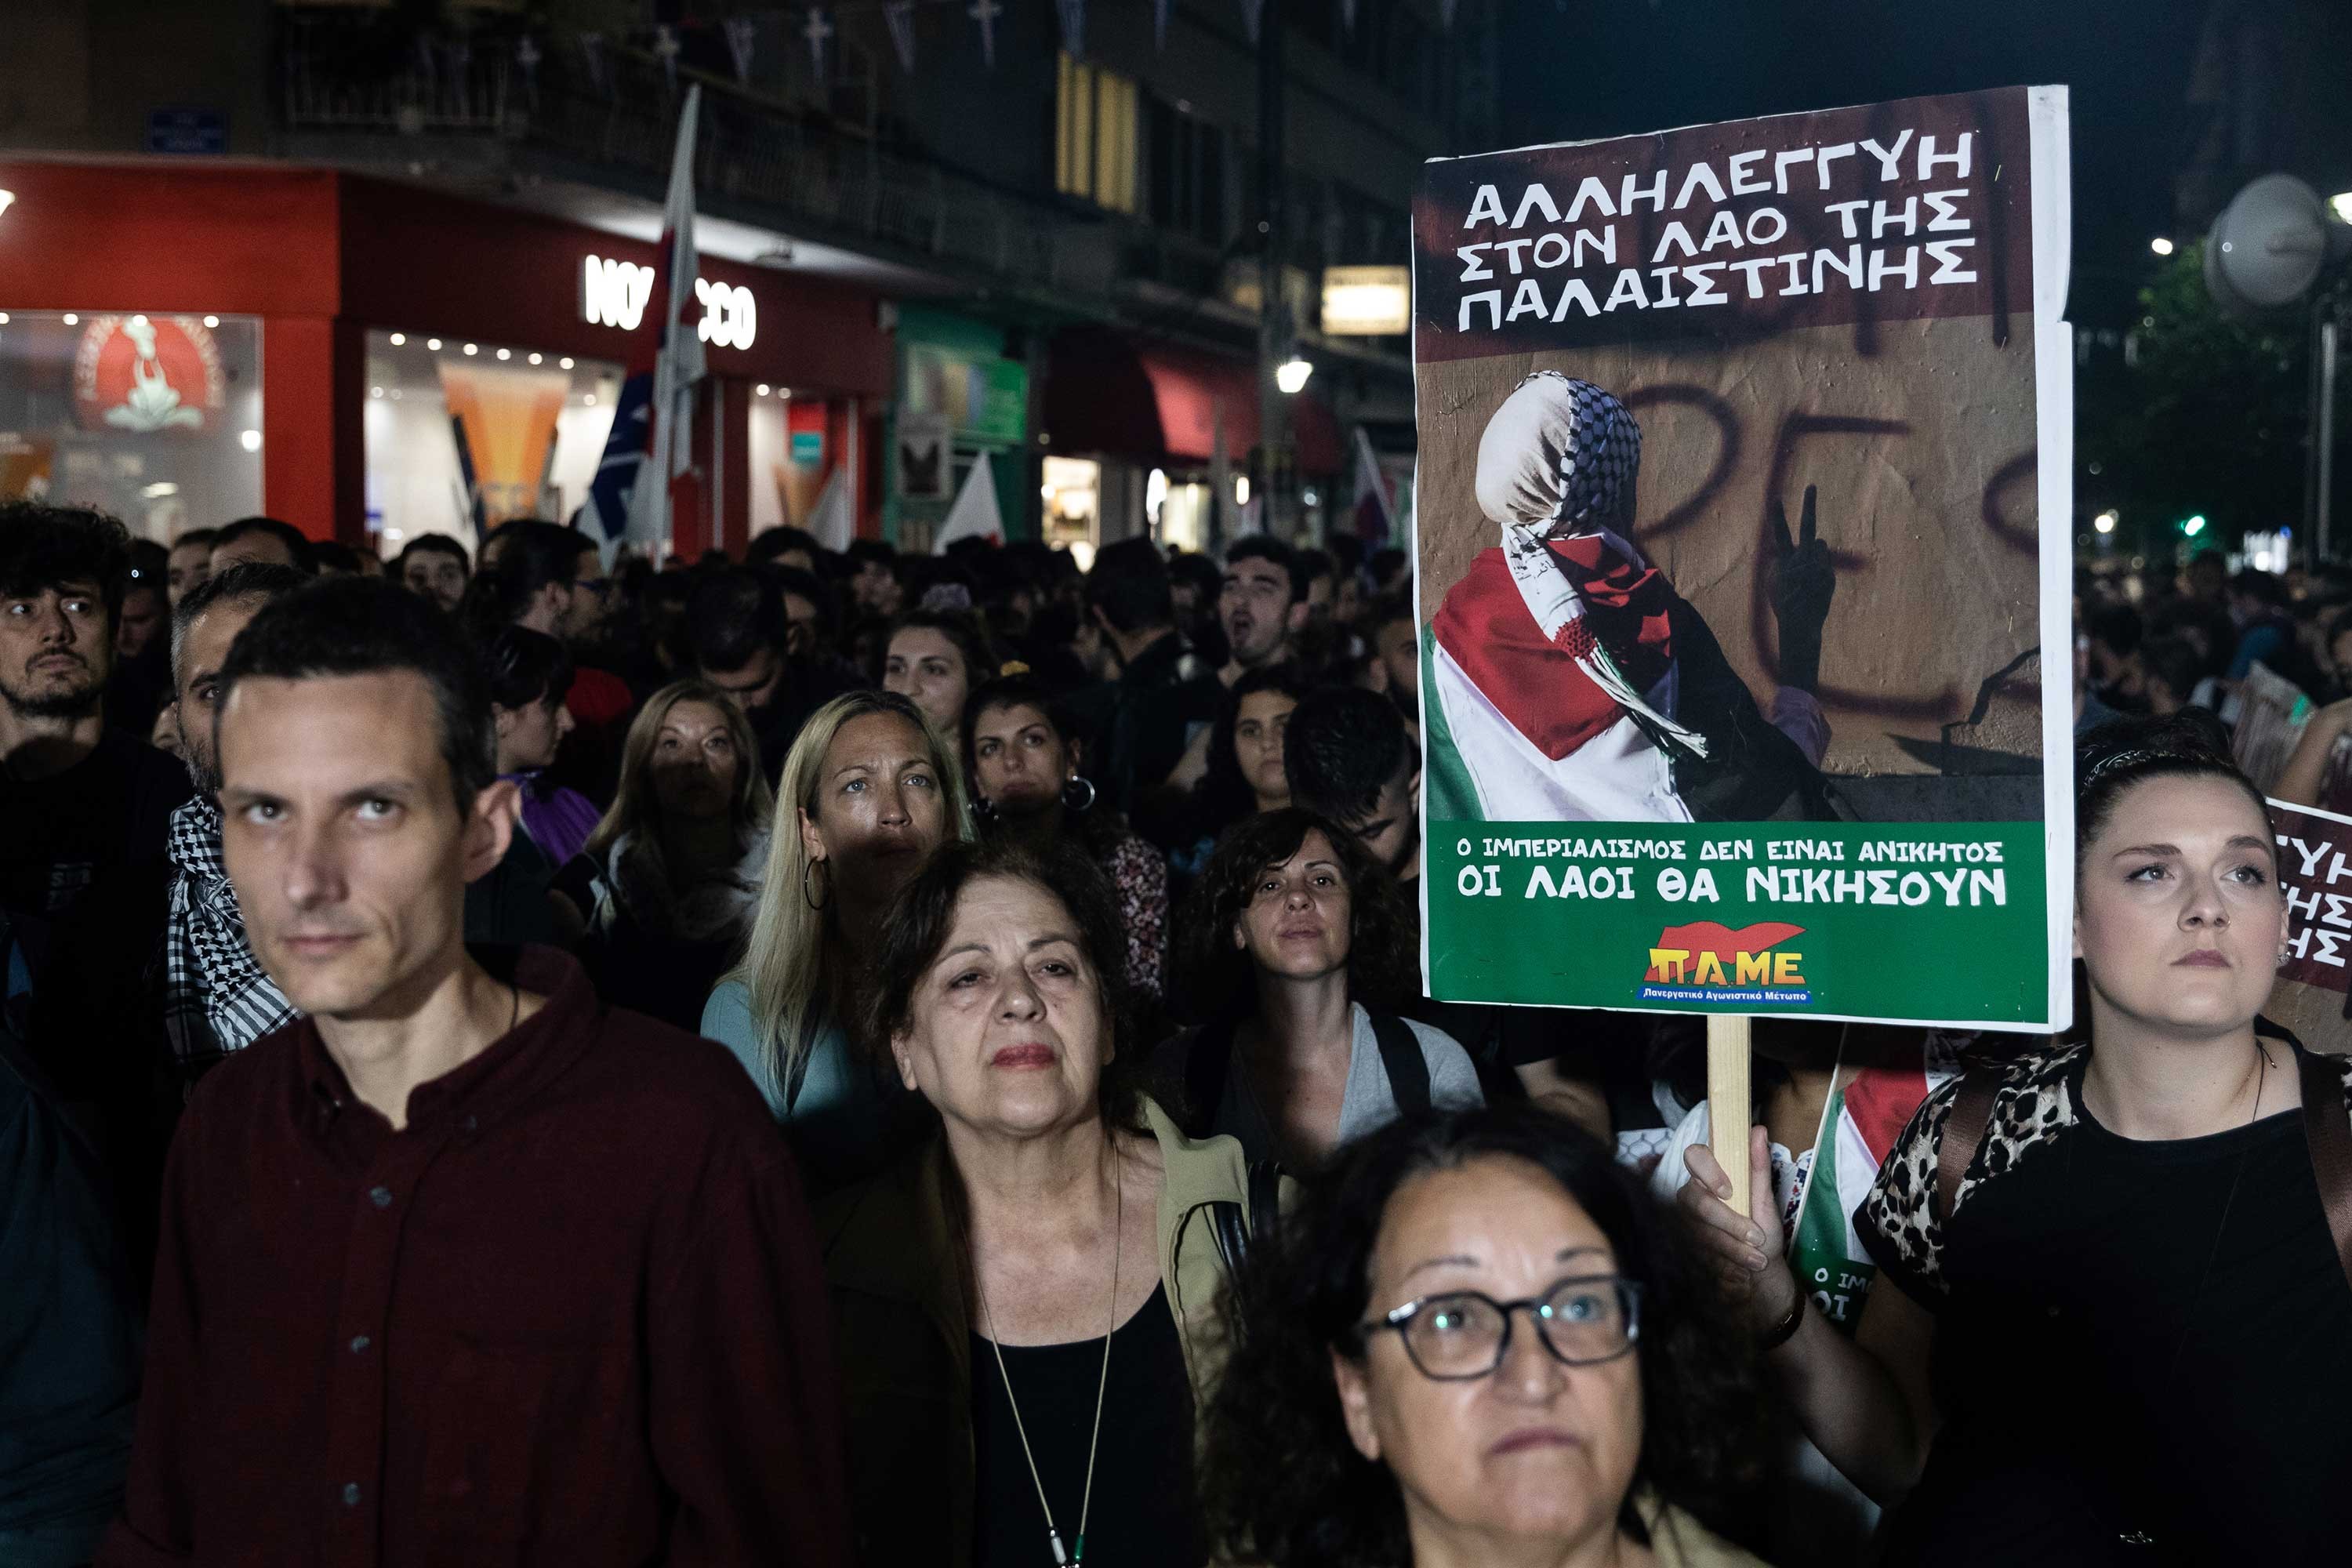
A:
(1094, 135)
(155, 419)
(458, 442)
(1073, 509)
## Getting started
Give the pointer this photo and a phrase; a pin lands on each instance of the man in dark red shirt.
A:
(462, 1268)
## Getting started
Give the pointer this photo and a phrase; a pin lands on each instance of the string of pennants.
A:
(817, 27)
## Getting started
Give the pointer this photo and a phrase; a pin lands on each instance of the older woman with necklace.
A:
(1030, 1310)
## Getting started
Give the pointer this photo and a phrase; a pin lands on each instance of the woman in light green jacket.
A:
(1030, 1311)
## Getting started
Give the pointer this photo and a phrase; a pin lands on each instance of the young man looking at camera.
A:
(462, 1266)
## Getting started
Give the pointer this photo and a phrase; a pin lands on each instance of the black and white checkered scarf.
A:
(217, 997)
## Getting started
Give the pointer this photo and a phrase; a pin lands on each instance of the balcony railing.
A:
(816, 178)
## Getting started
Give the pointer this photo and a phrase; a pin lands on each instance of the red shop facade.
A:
(370, 361)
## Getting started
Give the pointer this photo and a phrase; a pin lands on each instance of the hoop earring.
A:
(808, 893)
(1073, 800)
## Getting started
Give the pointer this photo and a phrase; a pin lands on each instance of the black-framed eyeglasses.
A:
(1463, 1334)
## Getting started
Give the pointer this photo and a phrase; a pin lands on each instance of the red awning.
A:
(1105, 395)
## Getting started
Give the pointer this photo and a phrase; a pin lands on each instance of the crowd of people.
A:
(571, 1062)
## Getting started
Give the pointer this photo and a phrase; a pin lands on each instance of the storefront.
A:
(962, 399)
(1146, 437)
(371, 360)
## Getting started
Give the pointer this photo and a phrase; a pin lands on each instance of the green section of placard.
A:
(1925, 923)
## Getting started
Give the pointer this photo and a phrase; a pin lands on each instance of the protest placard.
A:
(1744, 493)
(2315, 862)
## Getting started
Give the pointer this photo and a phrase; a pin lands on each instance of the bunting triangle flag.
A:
(974, 514)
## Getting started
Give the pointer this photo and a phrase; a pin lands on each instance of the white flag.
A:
(678, 361)
(830, 520)
(974, 514)
(900, 15)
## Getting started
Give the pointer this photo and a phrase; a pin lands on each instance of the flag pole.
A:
(1727, 1102)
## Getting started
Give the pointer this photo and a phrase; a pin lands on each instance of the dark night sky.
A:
(1582, 69)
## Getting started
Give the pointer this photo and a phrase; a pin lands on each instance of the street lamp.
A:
(2160, 244)
(1291, 375)
(2339, 204)
(2193, 526)
(2105, 522)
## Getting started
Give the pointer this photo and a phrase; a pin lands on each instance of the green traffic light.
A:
(2193, 526)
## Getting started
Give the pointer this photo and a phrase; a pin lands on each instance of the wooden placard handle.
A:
(1729, 1104)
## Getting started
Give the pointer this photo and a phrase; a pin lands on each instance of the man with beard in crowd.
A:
(82, 798)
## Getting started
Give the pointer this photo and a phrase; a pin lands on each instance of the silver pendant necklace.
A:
(1087, 1500)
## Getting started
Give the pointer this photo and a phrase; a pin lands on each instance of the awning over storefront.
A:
(1148, 404)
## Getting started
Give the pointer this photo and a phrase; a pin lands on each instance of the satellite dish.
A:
(2268, 245)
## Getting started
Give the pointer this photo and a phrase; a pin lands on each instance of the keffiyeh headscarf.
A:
(1558, 458)
(217, 998)
(1558, 461)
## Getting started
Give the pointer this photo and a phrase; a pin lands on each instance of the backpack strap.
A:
(2328, 1129)
(1407, 1068)
(1964, 1134)
(1265, 1196)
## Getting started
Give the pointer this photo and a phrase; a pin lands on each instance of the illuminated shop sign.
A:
(615, 293)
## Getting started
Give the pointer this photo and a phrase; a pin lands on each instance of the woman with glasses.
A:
(2112, 1322)
(1022, 755)
(1296, 950)
(1474, 1341)
(663, 892)
(1030, 1307)
(870, 790)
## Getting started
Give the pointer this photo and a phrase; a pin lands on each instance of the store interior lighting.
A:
(565, 363)
(1291, 376)
(4, 318)
(433, 343)
(71, 320)
(398, 339)
(506, 353)
(7, 200)
(472, 349)
(251, 440)
(535, 359)
(211, 322)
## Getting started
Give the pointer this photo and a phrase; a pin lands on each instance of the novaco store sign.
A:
(614, 294)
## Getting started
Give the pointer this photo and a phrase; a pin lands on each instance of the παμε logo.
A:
(1708, 961)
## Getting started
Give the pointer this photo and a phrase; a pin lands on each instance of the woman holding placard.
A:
(2114, 1316)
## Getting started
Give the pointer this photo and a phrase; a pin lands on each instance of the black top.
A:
(2149, 1338)
(112, 808)
(1143, 1514)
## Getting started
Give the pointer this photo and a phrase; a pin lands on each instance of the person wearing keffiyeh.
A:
(1570, 681)
(216, 999)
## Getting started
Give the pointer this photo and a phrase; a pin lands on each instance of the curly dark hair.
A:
(1215, 980)
(1098, 828)
(1282, 1483)
(922, 916)
(44, 546)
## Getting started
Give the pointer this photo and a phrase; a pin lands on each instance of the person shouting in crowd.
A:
(749, 640)
(101, 799)
(1022, 755)
(545, 1214)
(1476, 1340)
(191, 561)
(1350, 758)
(261, 539)
(2145, 1219)
(934, 658)
(1294, 956)
(1263, 605)
(1058, 1239)
(435, 566)
(662, 893)
(870, 790)
(530, 674)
